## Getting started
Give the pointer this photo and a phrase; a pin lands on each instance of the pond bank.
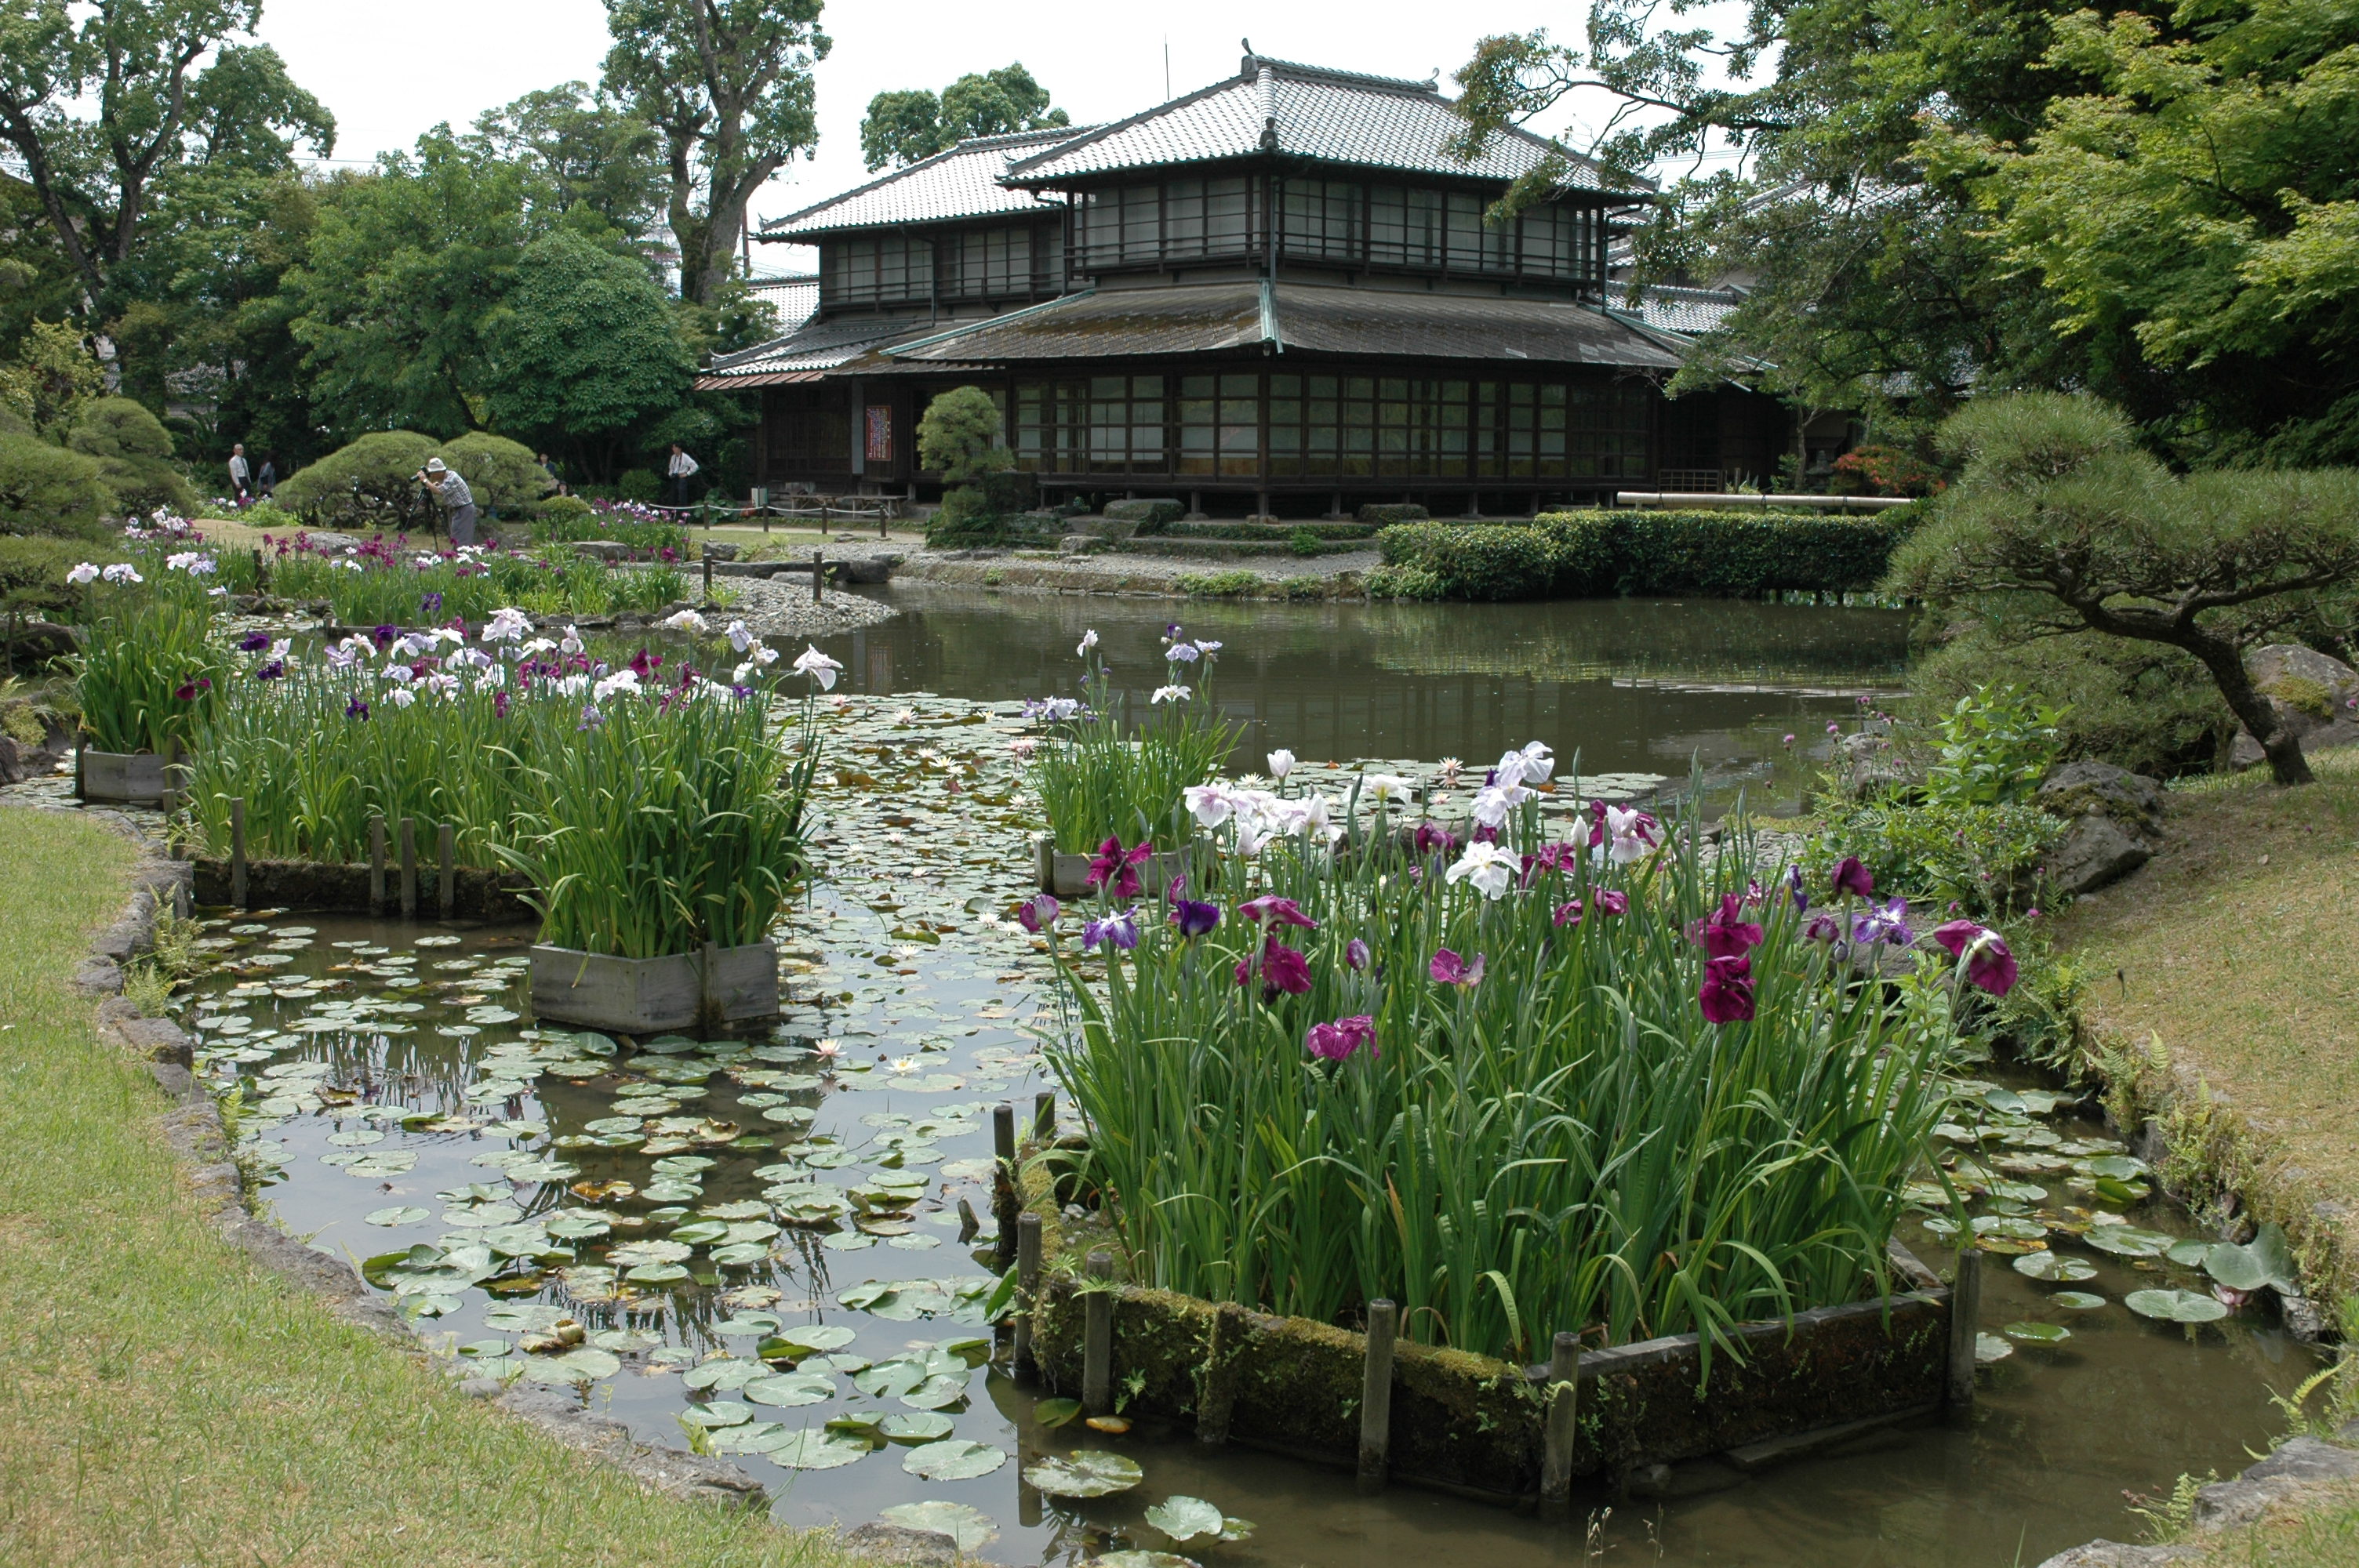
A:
(1133, 575)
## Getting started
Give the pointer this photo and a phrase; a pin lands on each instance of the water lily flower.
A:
(1118, 866)
(1725, 934)
(1022, 746)
(1195, 918)
(1280, 967)
(686, 621)
(1727, 994)
(1449, 969)
(1491, 868)
(819, 666)
(1038, 911)
(1886, 922)
(1089, 640)
(1170, 694)
(1613, 900)
(122, 572)
(1281, 762)
(356, 708)
(740, 639)
(1385, 788)
(1116, 931)
(1277, 910)
(84, 575)
(1341, 1040)
(1851, 878)
(1985, 954)
(1355, 954)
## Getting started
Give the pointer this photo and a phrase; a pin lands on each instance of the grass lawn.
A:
(165, 1400)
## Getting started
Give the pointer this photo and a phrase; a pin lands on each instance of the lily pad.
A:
(402, 1214)
(819, 1449)
(2077, 1301)
(2055, 1266)
(2175, 1306)
(2267, 1260)
(915, 1426)
(1092, 1472)
(954, 1459)
(1141, 1560)
(1185, 1517)
(2037, 1333)
(1989, 1347)
(721, 1413)
(970, 1528)
(1056, 1413)
(2130, 1242)
(789, 1389)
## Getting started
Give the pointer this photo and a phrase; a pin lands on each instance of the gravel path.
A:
(782, 607)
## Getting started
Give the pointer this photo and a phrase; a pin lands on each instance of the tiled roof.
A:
(1213, 317)
(961, 183)
(795, 298)
(803, 354)
(1668, 309)
(1333, 116)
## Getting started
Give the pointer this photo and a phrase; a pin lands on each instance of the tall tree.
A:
(97, 100)
(902, 128)
(589, 153)
(727, 83)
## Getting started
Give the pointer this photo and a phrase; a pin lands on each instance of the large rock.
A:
(2116, 1555)
(1872, 762)
(899, 1546)
(868, 568)
(2311, 692)
(2132, 801)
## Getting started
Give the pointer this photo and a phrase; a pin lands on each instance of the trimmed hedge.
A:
(1153, 516)
(1273, 531)
(1598, 554)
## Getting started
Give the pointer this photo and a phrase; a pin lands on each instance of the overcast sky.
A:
(389, 75)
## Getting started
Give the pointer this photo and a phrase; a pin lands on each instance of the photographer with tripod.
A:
(445, 484)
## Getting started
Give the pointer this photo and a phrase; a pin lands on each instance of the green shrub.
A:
(1303, 542)
(502, 476)
(133, 451)
(1476, 560)
(1263, 532)
(1982, 861)
(1217, 585)
(48, 491)
(1404, 582)
(1152, 516)
(2141, 705)
(965, 520)
(1392, 511)
(369, 484)
(554, 507)
(33, 571)
(1997, 743)
(1595, 553)
(637, 485)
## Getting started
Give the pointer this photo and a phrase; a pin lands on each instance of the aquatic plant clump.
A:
(147, 675)
(1097, 780)
(1515, 1086)
(386, 582)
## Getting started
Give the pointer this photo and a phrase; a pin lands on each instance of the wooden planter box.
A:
(135, 778)
(641, 996)
(1068, 876)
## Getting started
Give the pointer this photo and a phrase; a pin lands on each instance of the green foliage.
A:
(33, 571)
(370, 484)
(1388, 511)
(131, 446)
(391, 589)
(146, 677)
(500, 475)
(1997, 743)
(1100, 776)
(1305, 542)
(637, 485)
(592, 157)
(966, 519)
(1983, 859)
(1884, 470)
(586, 345)
(958, 437)
(1236, 584)
(2141, 705)
(1482, 562)
(560, 509)
(45, 490)
(1154, 515)
(1589, 554)
(902, 128)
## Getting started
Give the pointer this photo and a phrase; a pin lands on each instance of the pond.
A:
(1651, 685)
(691, 1204)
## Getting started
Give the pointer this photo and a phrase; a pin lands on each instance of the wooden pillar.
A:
(1007, 1205)
(1027, 1289)
(1216, 1407)
(1097, 1337)
(1563, 1410)
(1965, 1326)
(409, 868)
(708, 576)
(818, 574)
(1376, 1396)
(1044, 1117)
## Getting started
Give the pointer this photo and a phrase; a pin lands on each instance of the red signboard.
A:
(879, 445)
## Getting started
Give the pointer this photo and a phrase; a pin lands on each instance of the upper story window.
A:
(989, 264)
(1179, 220)
(889, 269)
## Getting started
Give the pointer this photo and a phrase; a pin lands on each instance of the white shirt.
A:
(237, 469)
(682, 465)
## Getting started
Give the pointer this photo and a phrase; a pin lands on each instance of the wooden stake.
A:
(1044, 861)
(708, 575)
(1028, 1288)
(1044, 1117)
(818, 576)
(238, 850)
(1097, 1337)
(1376, 1398)
(409, 868)
(1218, 1404)
(1965, 1324)
(376, 865)
(1563, 1395)
(446, 852)
(1007, 1204)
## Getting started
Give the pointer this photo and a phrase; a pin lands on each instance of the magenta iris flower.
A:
(1038, 911)
(1116, 931)
(500, 704)
(1823, 928)
(1723, 935)
(1989, 962)
(1449, 969)
(1569, 913)
(189, 691)
(1195, 918)
(1851, 878)
(1280, 967)
(1278, 911)
(1434, 839)
(1115, 865)
(1612, 902)
(1355, 954)
(1337, 1041)
(1727, 994)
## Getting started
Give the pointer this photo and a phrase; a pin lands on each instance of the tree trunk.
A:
(2259, 715)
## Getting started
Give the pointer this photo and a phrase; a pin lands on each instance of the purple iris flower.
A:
(1610, 901)
(1823, 928)
(1116, 931)
(272, 670)
(430, 605)
(356, 708)
(1794, 888)
(1989, 962)
(1194, 918)
(1851, 878)
(254, 642)
(385, 634)
(1280, 967)
(1724, 935)
(1039, 910)
(1886, 922)
(1726, 994)
(1569, 913)
(1355, 954)
(1449, 969)
(1278, 911)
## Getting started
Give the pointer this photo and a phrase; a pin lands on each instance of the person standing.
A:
(683, 469)
(452, 491)
(556, 480)
(240, 476)
(266, 479)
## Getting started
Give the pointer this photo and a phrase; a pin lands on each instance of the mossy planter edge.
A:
(1068, 876)
(133, 778)
(641, 996)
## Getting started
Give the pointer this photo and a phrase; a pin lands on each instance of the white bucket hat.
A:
(436, 465)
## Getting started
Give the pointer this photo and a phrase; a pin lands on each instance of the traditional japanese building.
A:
(1277, 295)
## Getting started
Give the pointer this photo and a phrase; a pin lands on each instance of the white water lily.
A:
(83, 575)
(1209, 803)
(1385, 788)
(686, 621)
(1496, 802)
(1172, 694)
(740, 639)
(1281, 762)
(1491, 868)
(819, 666)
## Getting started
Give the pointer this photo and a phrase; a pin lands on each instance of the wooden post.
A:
(708, 575)
(376, 865)
(818, 576)
(446, 852)
(1965, 1324)
(1097, 1337)
(884, 522)
(1044, 861)
(1563, 1395)
(238, 850)
(1376, 1396)
(1007, 1204)
(1044, 1117)
(1028, 1288)
(409, 868)
(1217, 1405)
(168, 796)
(708, 1012)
